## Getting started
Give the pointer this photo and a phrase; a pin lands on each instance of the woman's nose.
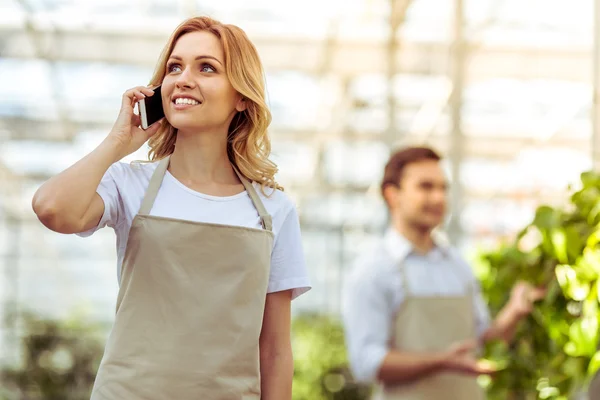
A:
(184, 80)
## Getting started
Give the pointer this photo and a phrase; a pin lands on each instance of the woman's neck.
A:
(202, 159)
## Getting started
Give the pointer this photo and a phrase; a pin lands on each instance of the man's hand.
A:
(520, 305)
(522, 297)
(460, 358)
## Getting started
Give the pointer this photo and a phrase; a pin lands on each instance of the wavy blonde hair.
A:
(248, 145)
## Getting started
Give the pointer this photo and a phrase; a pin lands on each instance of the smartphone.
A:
(151, 109)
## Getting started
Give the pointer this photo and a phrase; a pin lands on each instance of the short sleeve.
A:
(108, 191)
(288, 265)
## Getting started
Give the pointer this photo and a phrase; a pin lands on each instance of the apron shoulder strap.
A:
(265, 217)
(458, 264)
(404, 277)
(153, 186)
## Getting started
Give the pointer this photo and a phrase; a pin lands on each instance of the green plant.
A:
(555, 350)
(59, 360)
(321, 371)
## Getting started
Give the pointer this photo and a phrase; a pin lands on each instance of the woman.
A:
(208, 262)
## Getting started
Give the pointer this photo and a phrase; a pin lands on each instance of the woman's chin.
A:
(185, 126)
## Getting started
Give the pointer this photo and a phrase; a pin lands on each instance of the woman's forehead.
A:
(199, 43)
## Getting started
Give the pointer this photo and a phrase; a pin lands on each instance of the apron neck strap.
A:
(154, 185)
(265, 218)
(404, 277)
(157, 178)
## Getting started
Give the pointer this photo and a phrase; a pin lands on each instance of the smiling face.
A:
(196, 92)
(420, 197)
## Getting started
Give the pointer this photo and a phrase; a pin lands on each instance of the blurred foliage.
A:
(554, 354)
(59, 360)
(555, 350)
(320, 361)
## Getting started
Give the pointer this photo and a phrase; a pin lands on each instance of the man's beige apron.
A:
(189, 310)
(426, 324)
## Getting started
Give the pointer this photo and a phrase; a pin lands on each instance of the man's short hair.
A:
(394, 168)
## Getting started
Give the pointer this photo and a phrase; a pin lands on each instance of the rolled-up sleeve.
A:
(367, 320)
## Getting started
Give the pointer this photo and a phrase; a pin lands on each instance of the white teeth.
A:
(184, 100)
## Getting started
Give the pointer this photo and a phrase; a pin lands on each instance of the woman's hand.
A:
(68, 202)
(126, 132)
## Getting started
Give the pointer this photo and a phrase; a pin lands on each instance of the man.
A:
(413, 311)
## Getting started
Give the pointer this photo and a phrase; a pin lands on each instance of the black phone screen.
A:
(154, 108)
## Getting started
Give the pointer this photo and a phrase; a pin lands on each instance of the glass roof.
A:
(515, 22)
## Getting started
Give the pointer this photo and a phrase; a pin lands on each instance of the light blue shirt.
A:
(373, 293)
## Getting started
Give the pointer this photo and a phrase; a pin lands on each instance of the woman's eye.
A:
(173, 68)
(207, 68)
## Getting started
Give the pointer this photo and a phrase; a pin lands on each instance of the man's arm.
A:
(400, 367)
(366, 315)
(503, 327)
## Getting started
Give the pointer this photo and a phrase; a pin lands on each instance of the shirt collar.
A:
(399, 247)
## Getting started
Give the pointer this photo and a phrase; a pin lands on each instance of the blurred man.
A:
(413, 311)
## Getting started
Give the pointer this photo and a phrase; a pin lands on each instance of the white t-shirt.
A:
(123, 187)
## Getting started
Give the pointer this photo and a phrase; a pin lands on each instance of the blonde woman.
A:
(209, 247)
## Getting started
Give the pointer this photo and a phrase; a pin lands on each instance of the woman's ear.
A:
(241, 104)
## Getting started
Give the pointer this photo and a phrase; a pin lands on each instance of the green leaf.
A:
(574, 242)
(594, 214)
(588, 266)
(559, 243)
(593, 239)
(594, 364)
(546, 218)
(572, 287)
(590, 179)
(584, 336)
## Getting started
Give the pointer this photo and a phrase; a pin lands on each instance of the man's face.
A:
(420, 199)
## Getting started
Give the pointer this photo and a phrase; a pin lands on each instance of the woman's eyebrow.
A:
(198, 58)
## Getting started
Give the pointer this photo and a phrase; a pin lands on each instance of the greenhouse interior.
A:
(507, 91)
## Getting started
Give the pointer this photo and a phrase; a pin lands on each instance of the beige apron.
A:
(425, 324)
(189, 310)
